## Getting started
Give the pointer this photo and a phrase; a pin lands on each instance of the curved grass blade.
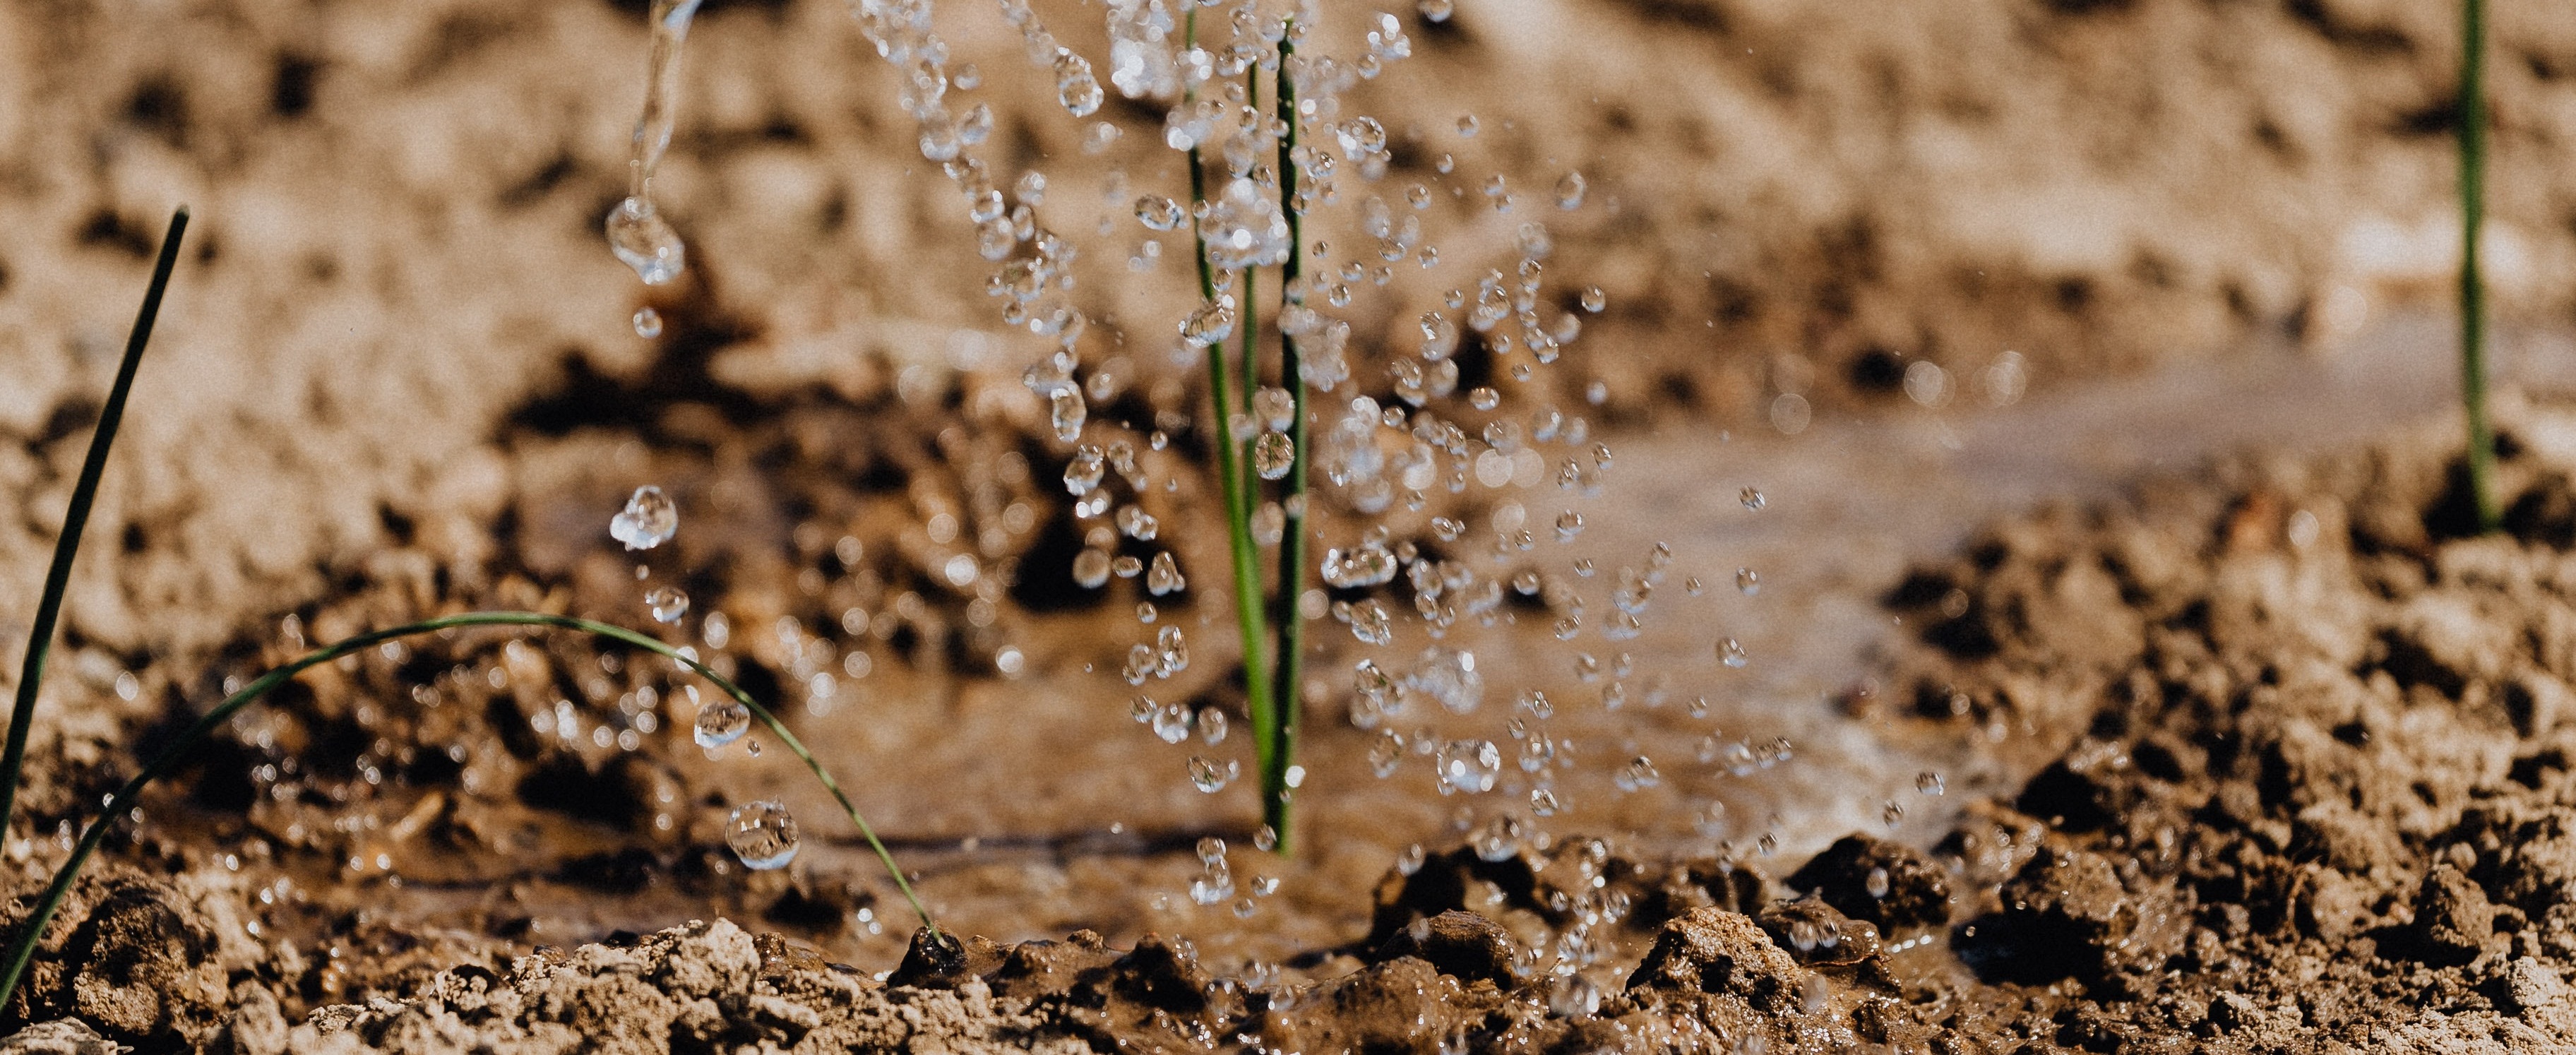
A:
(22, 951)
(49, 608)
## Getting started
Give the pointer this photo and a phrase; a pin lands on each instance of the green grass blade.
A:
(1290, 624)
(1233, 475)
(22, 950)
(2473, 297)
(40, 639)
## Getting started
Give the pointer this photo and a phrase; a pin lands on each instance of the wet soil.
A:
(2256, 757)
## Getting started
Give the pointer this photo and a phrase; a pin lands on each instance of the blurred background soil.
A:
(396, 374)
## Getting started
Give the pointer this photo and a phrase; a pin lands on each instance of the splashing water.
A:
(648, 323)
(762, 834)
(637, 233)
(649, 519)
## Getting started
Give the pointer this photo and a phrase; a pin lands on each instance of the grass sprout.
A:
(2473, 296)
(1270, 667)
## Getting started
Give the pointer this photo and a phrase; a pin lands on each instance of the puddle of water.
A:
(1036, 806)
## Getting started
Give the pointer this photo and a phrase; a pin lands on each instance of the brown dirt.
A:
(2308, 744)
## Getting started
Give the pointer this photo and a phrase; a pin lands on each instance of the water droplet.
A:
(641, 238)
(1138, 524)
(722, 721)
(1573, 996)
(1568, 525)
(1211, 850)
(1569, 191)
(1159, 213)
(1091, 568)
(1731, 653)
(1467, 126)
(1746, 582)
(1212, 322)
(1276, 408)
(1210, 776)
(1928, 783)
(763, 834)
(667, 603)
(1074, 85)
(648, 323)
(649, 519)
(1468, 766)
(1876, 883)
(1753, 499)
(1265, 839)
(1637, 775)
(1083, 471)
(1371, 623)
(1066, 410)
(1484, 398)
(1435, 10)
(1369, 565)
(1543, 801)
(1536, 752)
(1165, 575)
(1273, 455)
(1386, 753)
(1594, 300)
(1449, 676)
(1171, 722)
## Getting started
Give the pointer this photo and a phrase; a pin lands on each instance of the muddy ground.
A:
(2259, 754)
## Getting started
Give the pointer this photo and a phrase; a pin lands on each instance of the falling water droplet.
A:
(1208, 775)
(1568, 525)
(1747, 582)
(1091, 568)
(1469, 766)
(1435, 10)
(649, 519)
(667, 603)
(1594, 300)
(1876, 883)
(1386, 753)
(641, 238)
(1158, 213)
(1165, 575)
(1569, 191)
(1074, 85)
(648, 323)
(1731, 653)
(1639, 774)
(763, 834)
(722, 721)
(1928, 783)
(1171, 723)
(1066, 411)
(1212, 322)
(1753, 499)
(1273, 455)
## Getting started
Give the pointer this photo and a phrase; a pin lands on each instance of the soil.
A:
(2263, 754)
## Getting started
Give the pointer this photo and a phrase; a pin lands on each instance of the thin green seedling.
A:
(22, 949)
(58, 577)
(2473, 297)
(1270, 667)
